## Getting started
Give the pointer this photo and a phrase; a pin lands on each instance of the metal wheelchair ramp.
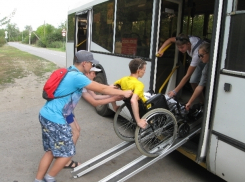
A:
(131, 168)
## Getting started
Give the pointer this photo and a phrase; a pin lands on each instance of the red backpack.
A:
(53, 82)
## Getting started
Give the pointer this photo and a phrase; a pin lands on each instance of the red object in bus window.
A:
(129, 46)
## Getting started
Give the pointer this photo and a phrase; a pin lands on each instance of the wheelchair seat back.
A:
(157, 101)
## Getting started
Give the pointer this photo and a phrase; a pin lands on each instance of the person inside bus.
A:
(137, 68)
(190, 45)
(203, 54)
(94, 100)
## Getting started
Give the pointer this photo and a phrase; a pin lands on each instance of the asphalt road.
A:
(97, 136)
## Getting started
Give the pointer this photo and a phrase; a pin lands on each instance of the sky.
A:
(37, 12)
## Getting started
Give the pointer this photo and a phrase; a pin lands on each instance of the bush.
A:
(56, 44)
(2, 41)
(25, 40)
(41, 43)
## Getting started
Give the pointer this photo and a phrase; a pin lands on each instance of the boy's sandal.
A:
(71, 165)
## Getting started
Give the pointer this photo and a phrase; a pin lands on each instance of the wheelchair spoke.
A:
(123, 124)
(160, 133)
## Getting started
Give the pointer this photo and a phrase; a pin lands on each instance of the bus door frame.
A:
(89, 29)
(172, 80)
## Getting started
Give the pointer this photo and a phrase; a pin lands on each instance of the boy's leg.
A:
(75, 130)
(76, 133)
(44, 164)
(114, 106)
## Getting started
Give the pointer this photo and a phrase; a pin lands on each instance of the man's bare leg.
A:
(44, 165)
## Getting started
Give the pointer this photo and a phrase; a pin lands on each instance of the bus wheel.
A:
(102, 110)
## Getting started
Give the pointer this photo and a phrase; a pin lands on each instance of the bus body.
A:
(117, 31)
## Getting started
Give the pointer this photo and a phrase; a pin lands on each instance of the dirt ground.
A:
(20, 133)
(20, 104)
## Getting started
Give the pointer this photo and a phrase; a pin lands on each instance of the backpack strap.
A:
(71, 92)
(197, 44)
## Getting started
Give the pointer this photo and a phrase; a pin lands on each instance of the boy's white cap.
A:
(95, 69)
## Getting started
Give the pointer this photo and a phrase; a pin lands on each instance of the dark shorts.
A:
(57, 138)
(70, 118)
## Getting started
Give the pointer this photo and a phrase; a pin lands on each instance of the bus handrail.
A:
(169, 76)
(165, 48)
(81, 43)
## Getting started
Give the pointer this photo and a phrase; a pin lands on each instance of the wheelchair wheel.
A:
(124, 124)
(184, 130)
(159, 134)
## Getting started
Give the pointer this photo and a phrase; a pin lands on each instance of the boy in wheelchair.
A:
(137, 68)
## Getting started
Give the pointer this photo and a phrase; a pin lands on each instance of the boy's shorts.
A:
(57, 138)
(196, 75)
(70, 118)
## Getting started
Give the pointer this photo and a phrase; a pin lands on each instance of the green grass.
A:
(61, 49)
(18, 64)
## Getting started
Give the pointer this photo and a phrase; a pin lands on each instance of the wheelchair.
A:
(166, 122)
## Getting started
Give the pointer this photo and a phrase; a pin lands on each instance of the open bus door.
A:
(82, 31)
(170, 22)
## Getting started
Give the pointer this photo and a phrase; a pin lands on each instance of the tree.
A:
(13, 32)
(5, 20)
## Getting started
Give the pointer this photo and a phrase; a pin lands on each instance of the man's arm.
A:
(135, 107)
(196, 93)
(104, 89)
(166, 43)
(187, 76)
(98, 97)
(89, 98)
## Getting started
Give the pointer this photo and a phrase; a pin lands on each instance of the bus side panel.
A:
(230, 162)
(69, 53)
(229, 111)
(118, 66)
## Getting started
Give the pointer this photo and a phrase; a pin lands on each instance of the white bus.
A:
(116, 31)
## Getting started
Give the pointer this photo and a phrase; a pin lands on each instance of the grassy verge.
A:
(61, 49)
(18, 64)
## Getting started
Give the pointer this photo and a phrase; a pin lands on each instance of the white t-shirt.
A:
(195, 59)
(85, 90)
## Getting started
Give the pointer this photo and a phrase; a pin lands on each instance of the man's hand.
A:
(187, 106)
(117, 97)
(142, 123)
(127, 93)
(171, 94)
(159, 54)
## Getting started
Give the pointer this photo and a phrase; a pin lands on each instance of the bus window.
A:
(71, 26)
(196, 26)
(210, 27)
(235, 50)
(133, 27)
(240, 5)
(102, 35)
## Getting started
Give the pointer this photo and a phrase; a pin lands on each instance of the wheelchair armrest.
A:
(153, 99)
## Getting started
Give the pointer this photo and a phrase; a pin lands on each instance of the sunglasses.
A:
(93, 65)
(201, 55)
(182, 39)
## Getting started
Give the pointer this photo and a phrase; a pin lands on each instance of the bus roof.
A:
(80, 6)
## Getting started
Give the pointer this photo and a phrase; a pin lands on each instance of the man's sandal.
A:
(71, 165)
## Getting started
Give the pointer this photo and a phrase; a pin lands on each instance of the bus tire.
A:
(102, 110)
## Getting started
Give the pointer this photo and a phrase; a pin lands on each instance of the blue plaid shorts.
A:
(57, 138)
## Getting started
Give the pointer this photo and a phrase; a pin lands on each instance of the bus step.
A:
(143, 162)
(102, 159)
